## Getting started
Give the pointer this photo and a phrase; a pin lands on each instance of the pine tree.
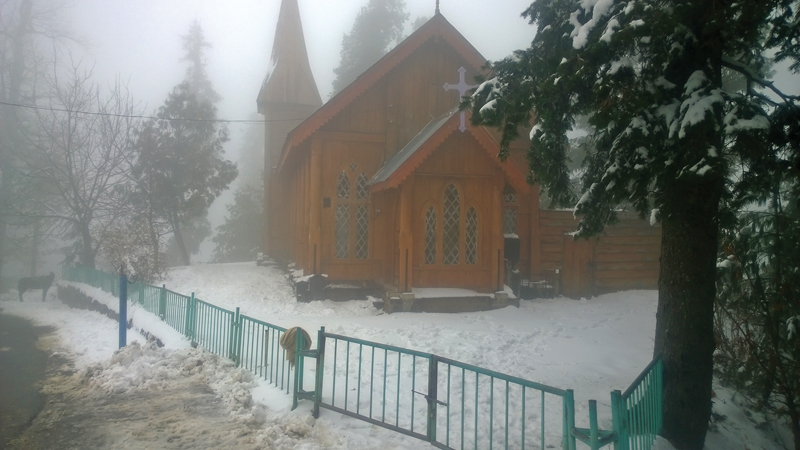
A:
(670, 141)
(182, 151)
(377, 26)
(239, 238)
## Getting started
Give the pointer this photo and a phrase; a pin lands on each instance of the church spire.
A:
(289, 80)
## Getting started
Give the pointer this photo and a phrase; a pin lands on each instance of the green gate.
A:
(451, 404)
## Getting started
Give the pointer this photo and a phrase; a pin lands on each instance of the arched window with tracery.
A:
(351, 215)
(451, 225)
(510, 206)
(342, 217)
(430, 236)
(471, 237)
(449, 231)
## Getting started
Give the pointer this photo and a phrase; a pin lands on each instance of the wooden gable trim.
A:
(481, 134)
(492, 148)
(437, 26)
(422, 153)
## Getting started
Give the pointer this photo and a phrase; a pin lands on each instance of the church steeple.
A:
(288, 96)
(289, 80)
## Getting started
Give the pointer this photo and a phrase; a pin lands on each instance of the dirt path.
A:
(79, 415)
(22, 368)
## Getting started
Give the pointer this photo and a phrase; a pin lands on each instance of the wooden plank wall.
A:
(553, 226)
(625, 256)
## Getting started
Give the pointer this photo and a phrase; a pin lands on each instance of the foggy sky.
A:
(140, 40)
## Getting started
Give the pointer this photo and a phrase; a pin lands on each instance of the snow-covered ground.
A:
(592, 346)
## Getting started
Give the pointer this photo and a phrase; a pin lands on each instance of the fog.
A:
(140, 42)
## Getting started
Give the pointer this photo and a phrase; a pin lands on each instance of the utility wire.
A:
(146, 117)
(139, 116)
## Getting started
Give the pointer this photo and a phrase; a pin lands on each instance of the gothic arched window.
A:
(451, 225)
(471, 238)
(509, 210)
(351, 231)
(430, 236)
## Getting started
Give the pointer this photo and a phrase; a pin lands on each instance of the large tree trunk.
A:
(35, 242)
(87, 251)
(685, 325)
(154, 243)
(176, 230)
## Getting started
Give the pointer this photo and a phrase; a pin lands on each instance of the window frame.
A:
(354, 172)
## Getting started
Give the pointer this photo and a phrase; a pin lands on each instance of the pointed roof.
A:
(436, 27)
(289, 79)
(403, 163)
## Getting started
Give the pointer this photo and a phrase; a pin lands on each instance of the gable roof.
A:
(437, 26)
(289, 80)
(403, 163)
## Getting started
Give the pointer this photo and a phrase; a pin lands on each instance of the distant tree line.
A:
(82, 169)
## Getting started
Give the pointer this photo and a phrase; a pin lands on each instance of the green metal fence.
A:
(638, 410)
(508, 412)
(261, 353)
(448, 403)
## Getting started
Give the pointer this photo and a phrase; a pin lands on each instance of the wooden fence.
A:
(624, 256)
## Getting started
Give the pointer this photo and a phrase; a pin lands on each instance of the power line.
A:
(146, 117)
(140, 116)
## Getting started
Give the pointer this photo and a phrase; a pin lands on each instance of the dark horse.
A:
(43, 282)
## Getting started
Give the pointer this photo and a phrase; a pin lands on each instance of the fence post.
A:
(123, 307)
(594, 441)
(660, 394)
(619, 421)
(162, 302)
(433, 395)
(239, 334)
(299, 342)
(569, 420)
(140, 286)
(189, 327)
(319, 370)
(232, 338)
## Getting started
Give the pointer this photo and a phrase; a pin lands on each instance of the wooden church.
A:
(388, 183)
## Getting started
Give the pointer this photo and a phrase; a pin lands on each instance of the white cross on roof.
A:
(462, 87)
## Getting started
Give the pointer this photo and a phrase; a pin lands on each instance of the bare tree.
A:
(83, 142)
(29, 31)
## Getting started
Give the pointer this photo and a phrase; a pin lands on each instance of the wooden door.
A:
(577, 275)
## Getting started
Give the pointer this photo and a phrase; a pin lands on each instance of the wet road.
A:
(22, 369)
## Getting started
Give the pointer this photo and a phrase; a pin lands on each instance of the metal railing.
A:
(261, 353)
(489, 409)
(638, 411)
(448, 403)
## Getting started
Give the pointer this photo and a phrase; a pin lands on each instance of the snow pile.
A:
(145, 367)
(148, 367)
(262, 292)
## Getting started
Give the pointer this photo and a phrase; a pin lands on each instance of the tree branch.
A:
(752, 77)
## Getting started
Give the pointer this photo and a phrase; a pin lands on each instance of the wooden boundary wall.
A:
(624, 256)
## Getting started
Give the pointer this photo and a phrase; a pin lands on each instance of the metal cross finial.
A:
(462, 87)
(437, 6)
